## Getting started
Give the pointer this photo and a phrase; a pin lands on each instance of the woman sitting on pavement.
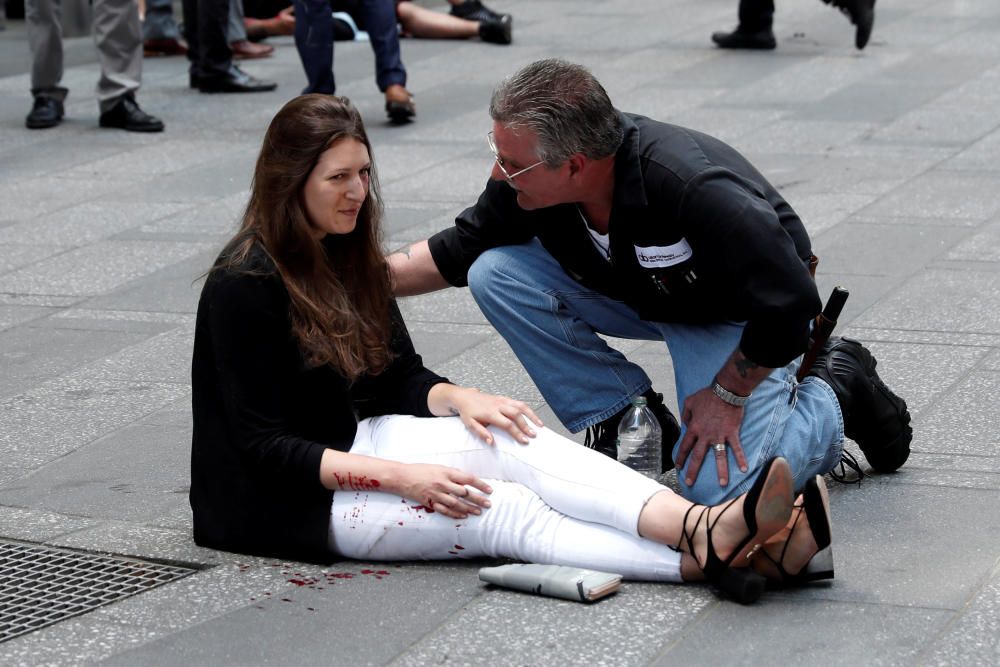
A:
(298, 337)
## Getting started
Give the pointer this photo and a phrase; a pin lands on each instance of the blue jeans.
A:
(314, 41)
(551, 322)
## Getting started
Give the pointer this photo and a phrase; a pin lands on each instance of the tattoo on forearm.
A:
(454, 411)
(744, 365)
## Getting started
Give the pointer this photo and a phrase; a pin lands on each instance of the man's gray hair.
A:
(564, 105)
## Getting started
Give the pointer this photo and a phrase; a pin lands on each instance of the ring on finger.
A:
(719, 447)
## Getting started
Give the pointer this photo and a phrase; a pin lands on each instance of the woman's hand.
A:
(450, 491)
(478, 410)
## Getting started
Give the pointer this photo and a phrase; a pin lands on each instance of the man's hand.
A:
(710, 421)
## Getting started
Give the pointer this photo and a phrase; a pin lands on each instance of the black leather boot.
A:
(874, 417)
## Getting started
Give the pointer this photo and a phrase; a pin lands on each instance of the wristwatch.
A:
(729, 397)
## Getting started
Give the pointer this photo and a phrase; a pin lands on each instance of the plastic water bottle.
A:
(639, 440)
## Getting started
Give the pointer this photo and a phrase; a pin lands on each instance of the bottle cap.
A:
(639, 401)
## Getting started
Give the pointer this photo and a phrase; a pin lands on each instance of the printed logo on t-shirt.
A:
(659, 257)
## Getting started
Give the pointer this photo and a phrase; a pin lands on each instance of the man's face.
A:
(537, 186)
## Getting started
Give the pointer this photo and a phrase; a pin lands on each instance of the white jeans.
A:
(553, 502)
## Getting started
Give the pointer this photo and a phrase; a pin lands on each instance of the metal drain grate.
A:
(40, 586)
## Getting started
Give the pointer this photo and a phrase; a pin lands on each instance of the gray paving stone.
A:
(860, 248)
(34, 525)
(353, 611)
(867, 534)
(84, 224)
(918, 336)
(450, 305)
(639, 622)
(438, 343)
(907, 367)
(75, 641)
(31, 355)
(399, 219)
(14, 315)
(823, 211)
(808, 627)
(865, 291)
(105, 479)
(979, 156)
(492, 367)
(946, 126)
(97, 268)
(174, 288)
(807, 136)
(984, 246)
(87, 410)
(460, 180)
(162, 358)
(726, 124)
(143, 541)
(974, 637)
(16, 255)
(939, 300)
(963, 422)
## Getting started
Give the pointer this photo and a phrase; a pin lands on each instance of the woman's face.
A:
(336, 187)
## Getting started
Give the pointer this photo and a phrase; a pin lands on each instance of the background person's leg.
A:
(379, 18)
(314, 42)
(551, 322)
(118, 36)
(44, 20)
(756, 15)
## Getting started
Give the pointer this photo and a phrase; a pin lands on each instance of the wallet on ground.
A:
(570, 583)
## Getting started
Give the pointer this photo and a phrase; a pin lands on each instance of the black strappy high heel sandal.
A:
(816, 506)
(766, 510)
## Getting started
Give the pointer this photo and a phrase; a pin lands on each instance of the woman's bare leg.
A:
(426, 23)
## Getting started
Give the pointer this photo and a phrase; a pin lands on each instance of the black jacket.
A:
(262, 419)
(697, 235)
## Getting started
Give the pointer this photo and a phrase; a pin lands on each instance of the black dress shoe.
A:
(862, 15)
(126, 115)
(874, 417)
(740, 39)
(474, 10)
(496, 31)
(233, 81)
(45, 112)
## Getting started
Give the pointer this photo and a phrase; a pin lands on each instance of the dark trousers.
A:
(314, 41)
(756, 15)
(205, 30)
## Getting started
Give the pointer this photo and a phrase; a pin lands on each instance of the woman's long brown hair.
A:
(339, 287)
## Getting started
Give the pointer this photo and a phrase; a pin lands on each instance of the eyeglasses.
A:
(503, 170)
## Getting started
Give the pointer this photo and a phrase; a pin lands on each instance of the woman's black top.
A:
(262, 418)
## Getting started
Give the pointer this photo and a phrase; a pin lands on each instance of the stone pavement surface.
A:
(890, 155)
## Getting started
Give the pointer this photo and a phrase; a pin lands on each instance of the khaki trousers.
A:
(117, 35)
